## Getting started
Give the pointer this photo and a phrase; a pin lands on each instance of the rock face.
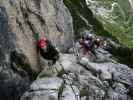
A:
(46, 88)
(12, 84)
(50, 89)
(27, 17)
(19, 21)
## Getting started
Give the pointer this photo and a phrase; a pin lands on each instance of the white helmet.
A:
(90, 36)
(98, 40)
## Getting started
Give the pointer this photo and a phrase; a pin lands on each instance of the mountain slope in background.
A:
(111, 19)
(116, 17)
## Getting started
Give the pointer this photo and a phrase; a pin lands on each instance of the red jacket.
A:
(83, 46)
(41, 43)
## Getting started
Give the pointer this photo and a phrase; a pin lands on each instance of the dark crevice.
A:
(20, 24)
(26, 16)
(21, 64)
(25, 12)
(32, 12)
(38, 2)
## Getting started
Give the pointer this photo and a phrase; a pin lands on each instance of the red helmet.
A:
(41, 43)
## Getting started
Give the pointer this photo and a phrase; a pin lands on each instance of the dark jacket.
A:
(51, 53)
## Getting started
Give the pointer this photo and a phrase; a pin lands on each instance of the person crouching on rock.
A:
(47, 50)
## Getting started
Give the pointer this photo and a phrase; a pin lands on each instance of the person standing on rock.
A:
(85, 43)
(88, 44)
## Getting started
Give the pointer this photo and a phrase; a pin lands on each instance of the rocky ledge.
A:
(84, 80)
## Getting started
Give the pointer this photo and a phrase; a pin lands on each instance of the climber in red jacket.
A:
(47, 50)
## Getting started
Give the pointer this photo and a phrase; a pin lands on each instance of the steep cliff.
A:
(19, 21)
(43, 17)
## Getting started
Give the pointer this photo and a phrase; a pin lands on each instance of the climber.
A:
(88, 40)
(85, 42)
(89, 43)
(87, 35)
(96, 43)
(47, 50)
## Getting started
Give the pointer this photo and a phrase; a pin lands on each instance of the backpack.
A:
(50, 53)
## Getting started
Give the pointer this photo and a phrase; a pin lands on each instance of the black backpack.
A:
(51, 53)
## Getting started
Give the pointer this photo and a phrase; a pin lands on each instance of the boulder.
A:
(44, 88)
(51, 88)
(114, 95)
(122, 73)
(70, 93)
